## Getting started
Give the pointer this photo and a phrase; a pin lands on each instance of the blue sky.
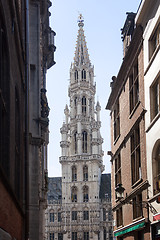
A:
(103, 20)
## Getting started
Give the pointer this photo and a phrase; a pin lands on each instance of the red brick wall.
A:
(10, 217)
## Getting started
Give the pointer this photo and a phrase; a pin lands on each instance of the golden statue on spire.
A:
(80, 20)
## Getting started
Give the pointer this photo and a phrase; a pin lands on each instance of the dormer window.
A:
(76, 75)
(83, 75)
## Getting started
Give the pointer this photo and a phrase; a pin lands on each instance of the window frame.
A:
(86, 235)
(85, 173)
(51, 236)
(74, 194)
(74, 173)
(155, 98)
(85, 194)
(135, 155)
(137, 206)
(116, 121)
(119, 217)
(84, 141)
(154, 42)
(74, 215)
(118, 176)
(134, 87)
(74, 235)
(51, 217)
(85, 215)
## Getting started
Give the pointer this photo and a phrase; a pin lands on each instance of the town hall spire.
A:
(81, 53)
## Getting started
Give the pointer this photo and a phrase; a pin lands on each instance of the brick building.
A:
(128, 140)
(149, 17)
(26, 52)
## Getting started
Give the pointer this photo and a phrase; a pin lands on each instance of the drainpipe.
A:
(26, 120)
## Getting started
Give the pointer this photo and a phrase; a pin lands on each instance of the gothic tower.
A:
(81, 145)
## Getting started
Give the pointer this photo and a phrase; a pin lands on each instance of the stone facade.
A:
(61, 220)
(82, 208)
(26, 52)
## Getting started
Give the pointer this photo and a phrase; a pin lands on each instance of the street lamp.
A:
(119, 191)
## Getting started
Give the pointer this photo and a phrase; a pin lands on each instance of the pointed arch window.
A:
(84, 107)
(84, 142)
(83, 75)
(76, 75)
(75, 142)
(74, 194)
(74, 173)
(85, 173)
(85, 194)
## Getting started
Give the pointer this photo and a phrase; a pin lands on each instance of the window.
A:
(51, 216)
(74, 174)
(75, 142)
(51, 236)
(86, 235)
(133, 87)
(76, 75)
(84, 105)
(74, 194)
(109, 215)
(83, 75)
(155, 99)
(116, 121)
(59, 217)
(137, 206)
(104, 214)
(84, 142)
(104, 234)
(74, 235)
(74, 215)
(85, 194)
(156, 168)
(119, 217)
(85, 215)
(118, 170)
(75, 105)
(110, 234)
(154, 41)
(60, 236)
(85, 173)
(135, 155)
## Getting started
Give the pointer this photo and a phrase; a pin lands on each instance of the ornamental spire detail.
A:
(81, 52)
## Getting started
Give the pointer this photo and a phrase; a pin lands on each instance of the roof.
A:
(105, 187)
(54, 189)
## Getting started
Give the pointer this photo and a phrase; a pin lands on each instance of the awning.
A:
(130, 229)
(156, 217)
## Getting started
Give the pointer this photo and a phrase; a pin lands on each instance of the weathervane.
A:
(80, 20)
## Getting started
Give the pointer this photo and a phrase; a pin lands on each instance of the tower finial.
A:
(80, 20)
